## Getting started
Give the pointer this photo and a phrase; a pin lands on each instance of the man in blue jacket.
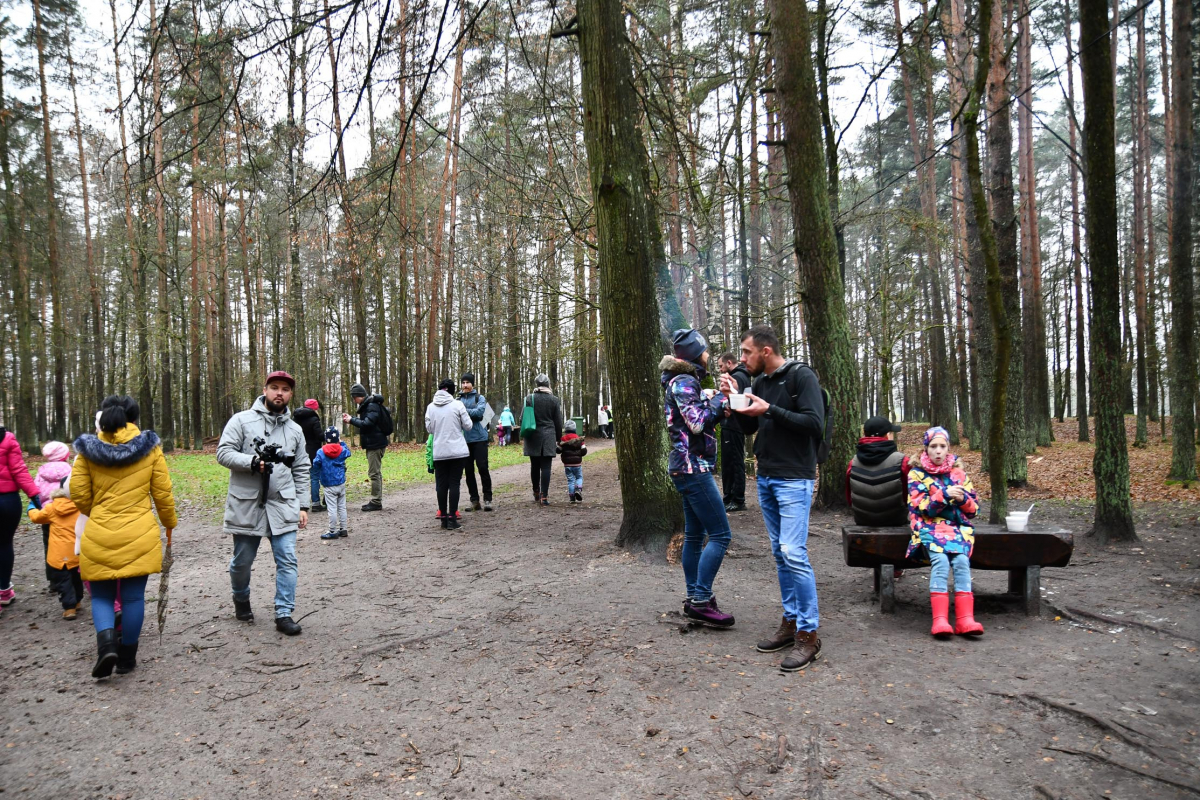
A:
(477, 443)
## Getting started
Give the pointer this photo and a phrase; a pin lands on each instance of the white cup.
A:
(739, 401)
(1016, 524)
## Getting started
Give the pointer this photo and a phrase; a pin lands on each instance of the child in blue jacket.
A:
(329, 467)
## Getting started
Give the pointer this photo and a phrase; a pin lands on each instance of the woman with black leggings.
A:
(446, 419)
(14, 479)
(540, 445)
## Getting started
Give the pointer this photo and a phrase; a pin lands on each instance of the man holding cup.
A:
(786, 410)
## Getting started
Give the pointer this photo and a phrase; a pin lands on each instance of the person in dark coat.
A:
(733, 441)
(542, 443)
(371, 438)
(309, 420)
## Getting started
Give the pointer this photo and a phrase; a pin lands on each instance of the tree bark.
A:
(1183, 309)
(1110, 465)
(1081, 372)
(821, 289)
(166, 430)
(631, 256)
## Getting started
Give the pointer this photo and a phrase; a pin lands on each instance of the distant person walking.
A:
(276, 508)
(374, 424)
(52, 476)
(787, 411)
(113, 482)
(605, 422)
(733, 441)
(446, 420)
(477, 443)
(572, 449)
(542, 443)
(329, 469)
(308, 417)
(505, 427)
(14, 478)
(692, 414)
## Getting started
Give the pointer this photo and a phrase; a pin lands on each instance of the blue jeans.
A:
(574, 480)
(316, 492)
(703, 515)
(941, 563)
(785, 505)
(133, 606)
(283, 547)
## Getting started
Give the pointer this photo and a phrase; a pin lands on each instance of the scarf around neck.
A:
(938, 469)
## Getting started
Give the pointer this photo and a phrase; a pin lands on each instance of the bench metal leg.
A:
(887, 589)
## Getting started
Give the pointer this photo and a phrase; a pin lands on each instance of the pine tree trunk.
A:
(1183, 298)
(1114, 514)
(631, 255)
(1081, 372)
(821, 288)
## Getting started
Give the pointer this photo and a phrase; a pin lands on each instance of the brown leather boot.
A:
(806, 651)
(781, 639)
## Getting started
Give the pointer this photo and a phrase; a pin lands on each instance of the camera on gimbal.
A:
(268, 455)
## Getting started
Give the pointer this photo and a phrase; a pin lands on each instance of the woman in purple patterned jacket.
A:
(692, 416)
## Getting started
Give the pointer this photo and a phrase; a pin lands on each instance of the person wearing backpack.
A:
(541, 431)
(787, 410)
(374, 423)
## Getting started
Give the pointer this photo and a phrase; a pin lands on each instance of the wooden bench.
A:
(1022, 555)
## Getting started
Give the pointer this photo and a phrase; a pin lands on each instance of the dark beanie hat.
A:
(358, 390)
(469, 377)
(688, 344)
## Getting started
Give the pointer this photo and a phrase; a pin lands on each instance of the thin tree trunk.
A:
(166, 430)
(1081, 372)
(1110, 465)
(631, 255)
(822, 291)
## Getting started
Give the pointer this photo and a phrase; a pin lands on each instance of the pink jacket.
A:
(51, 476)
(14, 474)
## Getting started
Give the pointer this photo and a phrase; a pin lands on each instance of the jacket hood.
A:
(260, 405)
(126, 446)
(672, 366)
(874, 450)
(333, 449)
(375, 398)
(62, 492)
(303, 413)
(442, 397)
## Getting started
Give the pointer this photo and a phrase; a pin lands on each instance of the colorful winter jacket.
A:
(938, 523)
(691, 418)
(329, 467)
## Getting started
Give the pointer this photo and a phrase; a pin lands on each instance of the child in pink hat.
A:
(55, 474)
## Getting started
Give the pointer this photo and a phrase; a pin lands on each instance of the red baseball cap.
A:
(280, 375)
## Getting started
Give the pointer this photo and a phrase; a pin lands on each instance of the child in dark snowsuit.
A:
(572, 449)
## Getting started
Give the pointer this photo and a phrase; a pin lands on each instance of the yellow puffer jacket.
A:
(113, 481)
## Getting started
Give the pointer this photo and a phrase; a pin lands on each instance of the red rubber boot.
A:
(941, 614)
(964, 615)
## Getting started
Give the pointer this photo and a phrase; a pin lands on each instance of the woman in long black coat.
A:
(540, 445)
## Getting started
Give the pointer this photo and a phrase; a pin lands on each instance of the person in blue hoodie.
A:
(477, 443)
(329, 467)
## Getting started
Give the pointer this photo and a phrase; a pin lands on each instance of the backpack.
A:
(386, 426)
(825, 445)
(528, 420)
(429, 454)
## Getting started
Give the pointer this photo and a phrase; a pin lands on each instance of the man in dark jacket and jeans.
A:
(372, 439)
(733, 441)
(308, 417)
(787, 411)
(477, 442)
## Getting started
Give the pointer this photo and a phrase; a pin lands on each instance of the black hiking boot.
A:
(733, 508)
(452, 523)
(106, 653)
(242, 610)
(287, 626)
(373, 506)
(126, 658)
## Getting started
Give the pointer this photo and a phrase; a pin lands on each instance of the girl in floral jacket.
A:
(941, 505)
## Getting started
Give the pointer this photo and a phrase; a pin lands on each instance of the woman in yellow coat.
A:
(113, 481)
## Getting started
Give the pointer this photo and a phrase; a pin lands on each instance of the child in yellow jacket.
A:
(61, 560)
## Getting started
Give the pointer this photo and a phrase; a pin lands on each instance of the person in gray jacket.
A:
(265, 441)
(541, 444)
(477, 442)
(446, 419)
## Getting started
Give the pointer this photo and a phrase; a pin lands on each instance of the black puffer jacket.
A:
(314, 435)
(367, 421)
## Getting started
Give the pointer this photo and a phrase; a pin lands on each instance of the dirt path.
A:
(523, 657)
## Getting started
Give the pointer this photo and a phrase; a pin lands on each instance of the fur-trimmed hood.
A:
(129, 445)
(672, 366)
(62, 491)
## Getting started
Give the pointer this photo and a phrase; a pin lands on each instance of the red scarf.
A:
(938, 469)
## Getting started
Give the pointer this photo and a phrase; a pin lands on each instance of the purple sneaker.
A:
(708, 613)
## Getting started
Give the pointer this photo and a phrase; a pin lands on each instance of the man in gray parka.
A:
(283, 510)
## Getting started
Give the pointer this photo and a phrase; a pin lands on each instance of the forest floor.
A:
(526, 657)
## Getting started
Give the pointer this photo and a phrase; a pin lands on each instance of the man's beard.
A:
(275, 408)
